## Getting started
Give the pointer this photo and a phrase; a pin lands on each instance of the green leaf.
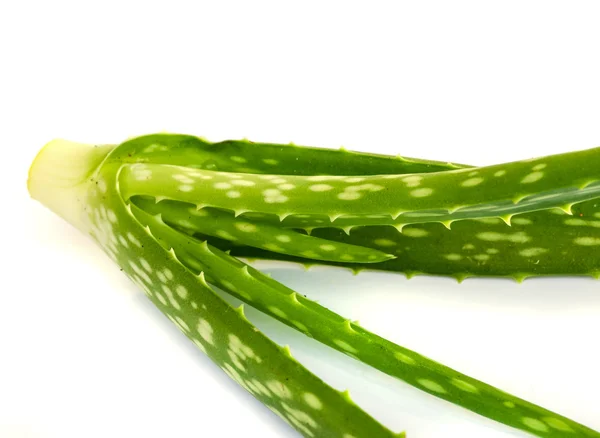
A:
(161, 206)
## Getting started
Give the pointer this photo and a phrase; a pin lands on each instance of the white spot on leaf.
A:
(431, 385)
(205, 330)
(465, 386)
(222, 185)
(349, 196)
(181, 291)
(587, 241)
(471, 182)
(404, 358)
(421, 193)
(320, 187)
(532, 177)
(453, 257)
(415, 232)
(345, 346)
(312, 400)
(532, 252)
(243, 183)
(534, 424)
(246, 227)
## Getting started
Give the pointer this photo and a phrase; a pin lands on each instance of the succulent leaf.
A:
(310, 318)
(174, 211)
(260, 366)
(258, 234)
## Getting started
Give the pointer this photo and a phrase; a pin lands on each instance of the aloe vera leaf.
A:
(245, 156)
(80, 184)
(540, 243)
(501, 190)
(282, 303)
(303, 160)
(224, 225)
(474, 247)
(460, 253)
(518, 239)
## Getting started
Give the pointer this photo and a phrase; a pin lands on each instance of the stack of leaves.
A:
(177, 213)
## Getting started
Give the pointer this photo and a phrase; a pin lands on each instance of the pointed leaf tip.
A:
(585, 184)
(520, 277)
(202, 279)
(518, 198)
(346, 395)
(348, 326)
(333, 217)
(347, 229)
(286, 351)
(204, 245)
(567, 209)
(447, 224)
(507, 219)
(396, 215)
(282, 216)
(411, 274)
(240, 310)
(245, 270)
(460, 277)
(399, 227)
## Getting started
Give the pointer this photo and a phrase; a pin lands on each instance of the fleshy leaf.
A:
(158, 204)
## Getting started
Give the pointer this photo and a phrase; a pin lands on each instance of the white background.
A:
(82, 352)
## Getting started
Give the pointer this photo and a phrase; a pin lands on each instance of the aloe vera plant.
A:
(175, 212)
